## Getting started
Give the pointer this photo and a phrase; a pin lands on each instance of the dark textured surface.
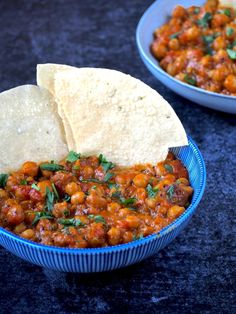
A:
(194, 274)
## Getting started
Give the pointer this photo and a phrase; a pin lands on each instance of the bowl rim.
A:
(121, 247)
(158, 68)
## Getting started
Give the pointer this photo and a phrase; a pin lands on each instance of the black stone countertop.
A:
(194, 274)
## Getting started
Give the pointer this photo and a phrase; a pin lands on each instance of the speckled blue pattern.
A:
(104, 259)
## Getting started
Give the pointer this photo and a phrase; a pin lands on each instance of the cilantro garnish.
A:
(225, 12)
(190, 80)
(71, 222)
(137, 237)
(55, 191)
(169, 168)
(175, 35)
(50, 199)
(170, 191)
(231, 53)
(152, 192)
(97, 218)
(108, 176)
(229, 31)
(66, 198)
(23, 182)
(3, 179)
(35, 187)
(196, 10)
(208, 38)
(204, 21)
(106, 165)
(41, 215)
(51, 167)
(73, 156)
(122, 200)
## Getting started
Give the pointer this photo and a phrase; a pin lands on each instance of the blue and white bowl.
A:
(155, 16)
(108, 258)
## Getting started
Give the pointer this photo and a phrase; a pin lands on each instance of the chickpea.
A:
(123, 212)
(127, 237)
(183, 181)
(141, 180)
(87, 172)
(230, 83)
(113, 207)
(141, 194)
(43, 185)
(179, 12)
(60, 209)
(206, 61)
(219, 74)
(123, 179)
(72, 187)
(28, 234)
(133, 221)
(172, 69)
(20, 228)
(151, 202)
(3, 194)
(114, 236)
(159, 50)
(193, 33)
(219, 43)
(219, 20)
(175, 211)
(77, 198)
(174, 44)
(30, 168)
(15, 214)
(47, 173)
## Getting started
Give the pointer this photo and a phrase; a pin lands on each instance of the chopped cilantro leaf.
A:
(71, 222)
(3, 179)
(35, 187)
(152, 192)
(41, 215)
(196, 10)
(51, 167)
(108, 176)
(66, 198)
(55, 191)
(106, 165)
(175, 35)
(190, 80)
(204, 21)
(208, 38)
(169, 168)
(229, 31)
(231, 53)
(170, 191)
(23, 182)
(73, 156)
(50, 199)
(97, 218)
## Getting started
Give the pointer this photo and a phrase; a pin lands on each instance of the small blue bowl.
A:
(155, 16)
(108, 258)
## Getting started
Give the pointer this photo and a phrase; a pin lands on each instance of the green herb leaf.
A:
(92, 180)
(231, 53)
(23, 182)
(3, 179)
(51, 167)
(73, 156)
(204, 21)
(66, 212)
(170, 191)
(229, 31)
(208, 39)
(50, 199)
(93, 187)
(41, 215)
(190, 80)
(225, 11)
(55, 191)
(76, 168)
(97, 218)
(175, 35)
(209, 51)
(196, 10)
(108, 176)
(137, 237)
(128, 201)
(152, 192)
(113, 185)
(66, 198)
(71, 222)
(106, 165)
(35, 187)
(169, 168)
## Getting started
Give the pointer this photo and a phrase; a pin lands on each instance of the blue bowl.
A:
(108, 258)
(155, 16)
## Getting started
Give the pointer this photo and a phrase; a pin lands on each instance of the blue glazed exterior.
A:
(104, 259)
(155, 16)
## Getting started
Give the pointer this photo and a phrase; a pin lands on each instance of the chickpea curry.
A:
(84, 202)
(198, 46)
